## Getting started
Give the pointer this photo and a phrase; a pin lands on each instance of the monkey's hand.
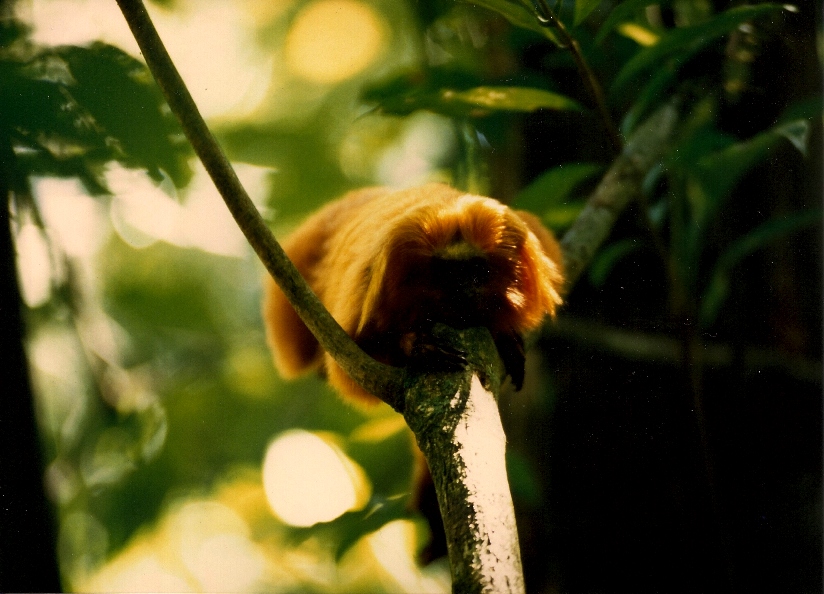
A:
(433, 349)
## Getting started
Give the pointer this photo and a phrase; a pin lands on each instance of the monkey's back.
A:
(356, 253)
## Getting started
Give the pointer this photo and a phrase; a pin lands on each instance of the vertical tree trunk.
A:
(27, 537)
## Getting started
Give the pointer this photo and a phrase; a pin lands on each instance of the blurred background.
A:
(668, 437)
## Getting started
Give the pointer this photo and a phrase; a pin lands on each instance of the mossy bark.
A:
(456, 422)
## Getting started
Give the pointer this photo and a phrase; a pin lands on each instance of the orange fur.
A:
(386, 263)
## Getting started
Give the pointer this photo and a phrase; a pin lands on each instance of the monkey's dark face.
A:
(465, 264)
(461, 291)
(464, 278)
(458, 290)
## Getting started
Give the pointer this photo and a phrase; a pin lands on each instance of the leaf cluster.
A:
(65, 113)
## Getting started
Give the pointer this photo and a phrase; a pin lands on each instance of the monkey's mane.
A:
(459, 227)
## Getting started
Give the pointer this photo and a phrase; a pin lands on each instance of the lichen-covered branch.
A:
(619, 186)
(379, 379)
(456, 421)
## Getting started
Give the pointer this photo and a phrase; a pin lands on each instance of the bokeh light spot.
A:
(215, 547)
(393, 545)
(33, 265)
(309, 480)
(332, 40)
(228, 76)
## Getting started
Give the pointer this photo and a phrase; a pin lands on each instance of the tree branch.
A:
(620, 184)
(456, 422)
(381, 380)
(661, 349)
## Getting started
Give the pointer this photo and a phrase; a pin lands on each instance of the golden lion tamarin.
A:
(390, 264)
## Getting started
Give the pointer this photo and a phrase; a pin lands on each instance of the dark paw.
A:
(437, 357)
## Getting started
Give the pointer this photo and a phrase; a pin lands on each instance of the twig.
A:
(547, 17)
(381, 380)
(661, 349)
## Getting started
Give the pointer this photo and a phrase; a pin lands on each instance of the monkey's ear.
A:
(546, 238)
(541, 274)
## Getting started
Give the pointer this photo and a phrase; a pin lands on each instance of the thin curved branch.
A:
(547, 17)
(381, 380)
(619, 186)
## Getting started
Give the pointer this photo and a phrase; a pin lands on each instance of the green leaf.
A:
(553, 187)
(509, 99)
(518, 15)
(397, 99)
(119, 93)
(44, 109)
(353, 526)
(621, 13)
(797, 132)
(562, 216)
(804, 109)
(687, 40)
(649, 97)
(77, 108)
(608, 257)
(523, 479)
(718, 288)
(719, 172)
(583, 8)
(11, 30)
(704, 141)
(89, 171)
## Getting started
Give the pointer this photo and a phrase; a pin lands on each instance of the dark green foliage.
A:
(622, 12)
(71, 110)
(719, 284)
(682, 43)
(519, 15)
(119, 94)
(607, 259)
(475, 101)
(722, 248)
(555, 194)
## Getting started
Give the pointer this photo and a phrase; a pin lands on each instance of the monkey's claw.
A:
(511, 350)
